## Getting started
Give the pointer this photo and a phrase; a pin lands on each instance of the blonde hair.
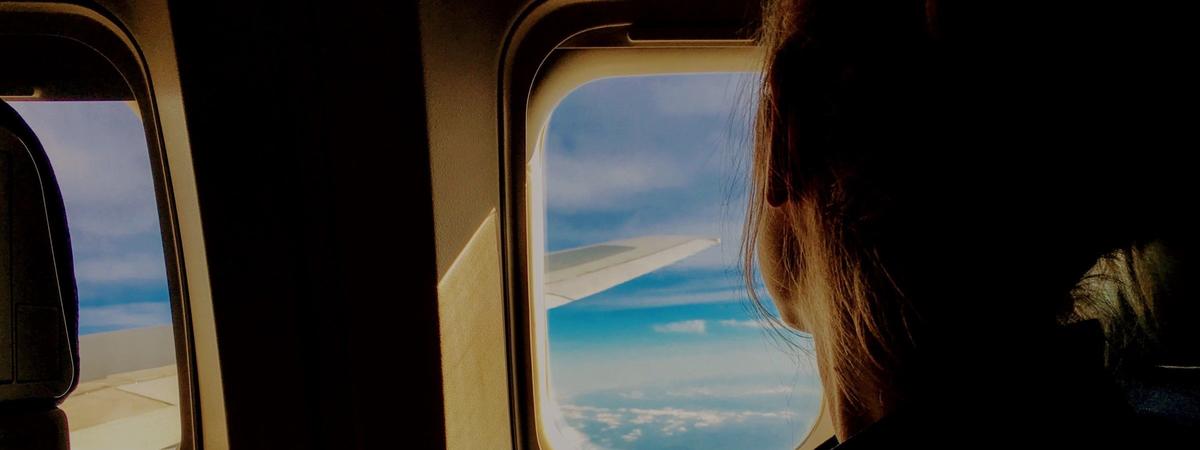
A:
(870, 330)
(895, 261)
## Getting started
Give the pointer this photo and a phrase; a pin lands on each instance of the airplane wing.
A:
(128, 395)
(579, 272)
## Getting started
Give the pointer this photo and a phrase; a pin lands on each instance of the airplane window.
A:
(652, 340)
(128, 395)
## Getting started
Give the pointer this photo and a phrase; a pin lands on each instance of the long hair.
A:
(937, 179)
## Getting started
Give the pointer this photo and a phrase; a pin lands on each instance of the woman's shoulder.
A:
(1021, 416)
(971, 426)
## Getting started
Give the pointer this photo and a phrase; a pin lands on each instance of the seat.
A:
(39, 306)
(1146, 298)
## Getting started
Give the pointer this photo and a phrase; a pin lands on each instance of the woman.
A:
(932, 182)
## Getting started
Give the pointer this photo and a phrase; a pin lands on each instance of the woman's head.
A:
(928, 178)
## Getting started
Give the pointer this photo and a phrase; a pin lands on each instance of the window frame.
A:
(567, 70)
(193, 329)
(554, 49)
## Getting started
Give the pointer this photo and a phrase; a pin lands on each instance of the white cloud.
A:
(669, 421)
(567, 434)
(706, 417)
(774, 390)
(703, 95)
(684, 363)
(685, 326)
(101, 162)
(691, 392)
(632, 435)
(128, 315)
(119, 221)
(120, 268)
(742, 391)
(642, 419)
(674, 427)
(622, 157)
(601, 180)
(610, 419)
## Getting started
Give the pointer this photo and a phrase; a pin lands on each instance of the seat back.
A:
(39, 307)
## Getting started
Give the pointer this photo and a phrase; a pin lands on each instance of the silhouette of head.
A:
(932, 180)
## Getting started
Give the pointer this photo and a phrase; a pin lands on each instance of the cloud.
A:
(703, 94)
(567, 435)
(741, 391)
(122, 268)
(603, 180)
(623, 368)
(707, 417)
(119, 221)
(632, 435)
(692, 392)
(685, 326)
(675, 427)
(642, 419)
(620, 145)
(609, 419)
(100, 159)
(777, 390)
(128, 315)
(670, 420)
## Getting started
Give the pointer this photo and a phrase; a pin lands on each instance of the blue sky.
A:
(99, 155)
(676, 358)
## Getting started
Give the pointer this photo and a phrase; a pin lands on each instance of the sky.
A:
(98, 153)
(676, 358)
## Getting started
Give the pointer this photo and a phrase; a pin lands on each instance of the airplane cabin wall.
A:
(461, 47)
(308, 135)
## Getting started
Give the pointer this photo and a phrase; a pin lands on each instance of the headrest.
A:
(39, 307)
